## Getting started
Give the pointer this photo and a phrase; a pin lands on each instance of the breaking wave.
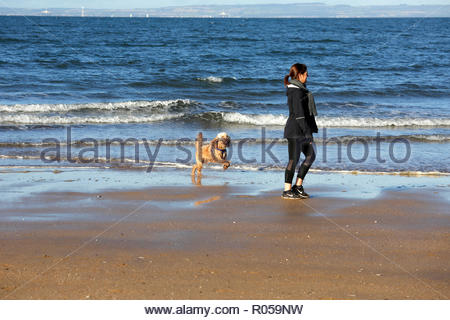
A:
(185, 110)
(214, 79)
(126, 106)
(58, 120)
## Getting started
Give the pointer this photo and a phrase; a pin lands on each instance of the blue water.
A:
(170, 78)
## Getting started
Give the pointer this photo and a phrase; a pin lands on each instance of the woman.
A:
(298, 130)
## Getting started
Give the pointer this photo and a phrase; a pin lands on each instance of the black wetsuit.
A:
(298, 131)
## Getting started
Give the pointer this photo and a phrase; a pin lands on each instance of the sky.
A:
(129, 4)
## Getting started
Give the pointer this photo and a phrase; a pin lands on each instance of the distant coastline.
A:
(300, 10)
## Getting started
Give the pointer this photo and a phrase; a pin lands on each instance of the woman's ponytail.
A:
(297, 68)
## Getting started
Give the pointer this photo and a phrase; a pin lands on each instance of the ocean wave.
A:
(126, 105)
(338, 122)
(254, 119)
(6, 40)
(85, 143)
(100, 119)
(370, 122)
(186, 110)
(421, 138)
(185, 141)
(28, 127)
(214, 79)
(397, 91)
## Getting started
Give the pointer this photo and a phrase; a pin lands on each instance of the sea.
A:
(133, 93)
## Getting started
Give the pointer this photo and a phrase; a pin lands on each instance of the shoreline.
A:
(236, 167)
(98, 238)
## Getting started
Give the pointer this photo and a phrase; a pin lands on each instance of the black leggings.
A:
(295, 146)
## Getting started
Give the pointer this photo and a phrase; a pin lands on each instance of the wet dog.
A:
(215, 152)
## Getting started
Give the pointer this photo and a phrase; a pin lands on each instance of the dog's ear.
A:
(215, 142)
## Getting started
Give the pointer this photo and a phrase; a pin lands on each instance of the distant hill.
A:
(300, 10)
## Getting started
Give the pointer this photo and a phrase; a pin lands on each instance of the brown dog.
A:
(215, 151)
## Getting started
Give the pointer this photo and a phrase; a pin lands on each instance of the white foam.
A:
(254, 119)
(390, 173)
(380, 122)
(3, 156)
(127, 105)
(214, 79)
(39, 119)
(433, 138)
(235, 167)
(144, 111)
(328, 122)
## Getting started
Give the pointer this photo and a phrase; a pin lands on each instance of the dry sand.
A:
(219, 242)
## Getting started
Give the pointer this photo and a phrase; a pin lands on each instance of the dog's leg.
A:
(196, 179)
(199, 148)
(198, 154)
(197, 168)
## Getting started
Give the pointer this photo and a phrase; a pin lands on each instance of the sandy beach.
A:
(220, 241)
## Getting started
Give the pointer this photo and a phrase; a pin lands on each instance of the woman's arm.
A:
(297, 103)
(299, 113)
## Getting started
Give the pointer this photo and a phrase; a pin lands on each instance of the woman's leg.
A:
(310, 156)
(294, 149)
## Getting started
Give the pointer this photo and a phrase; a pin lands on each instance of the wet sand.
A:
(223, 242)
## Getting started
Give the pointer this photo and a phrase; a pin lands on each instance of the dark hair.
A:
(297, 68)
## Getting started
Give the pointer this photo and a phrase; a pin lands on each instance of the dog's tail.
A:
(198, 148)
